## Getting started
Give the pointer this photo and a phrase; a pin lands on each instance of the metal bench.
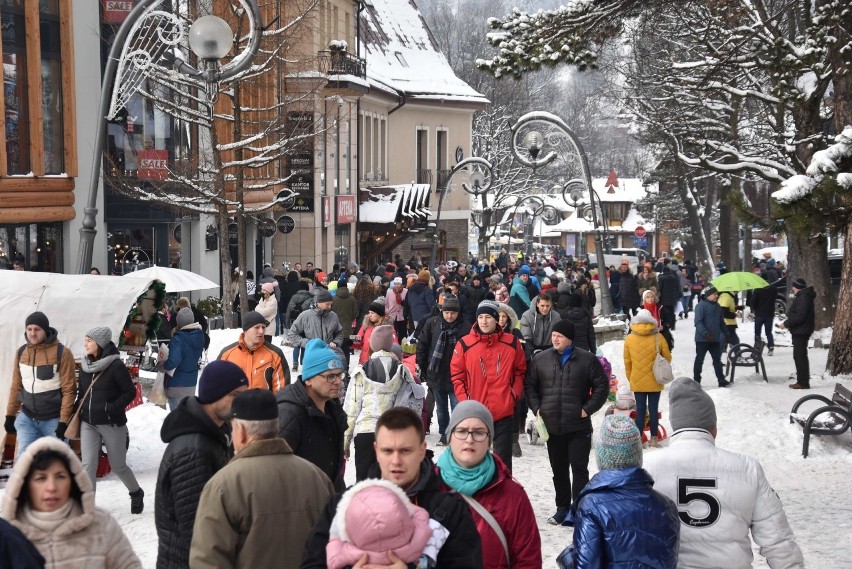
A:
(834, 418)
(744, 355)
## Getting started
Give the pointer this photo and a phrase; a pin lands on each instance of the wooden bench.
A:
(834, 418)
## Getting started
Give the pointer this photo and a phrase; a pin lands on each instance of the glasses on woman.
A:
(332, 377)
(478, 435)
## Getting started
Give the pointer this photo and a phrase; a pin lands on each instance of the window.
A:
(422, 149)
(441, 169)
(37, 134)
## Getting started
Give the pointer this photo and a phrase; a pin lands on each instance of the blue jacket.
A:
(709, 319)
(185, 350)
(621, 521)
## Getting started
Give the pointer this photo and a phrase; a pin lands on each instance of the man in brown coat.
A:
(44, 385)
(259, 509)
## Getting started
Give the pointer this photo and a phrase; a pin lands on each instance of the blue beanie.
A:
(319, 358)
(525, 270)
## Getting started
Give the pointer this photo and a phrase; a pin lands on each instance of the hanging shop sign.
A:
(345, 209)
(153, 165)
(286, 224)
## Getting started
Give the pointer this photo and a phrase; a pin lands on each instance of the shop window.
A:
(35, 128)
(37, 246)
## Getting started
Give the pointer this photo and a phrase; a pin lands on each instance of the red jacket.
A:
(489, 368)
(506, 500)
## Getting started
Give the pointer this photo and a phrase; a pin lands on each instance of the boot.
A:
(516, 446)
(136, 504)
(655, 443)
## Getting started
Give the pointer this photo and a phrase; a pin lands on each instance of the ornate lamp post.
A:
(481, 178)
(145, 41)
(527, 146)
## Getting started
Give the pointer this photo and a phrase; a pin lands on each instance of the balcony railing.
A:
(424, 177)
(336, 62)
(443, 178)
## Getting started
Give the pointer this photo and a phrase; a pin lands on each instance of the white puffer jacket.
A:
(720, 496)
(92, 539)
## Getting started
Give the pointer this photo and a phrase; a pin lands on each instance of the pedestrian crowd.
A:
(256, 448)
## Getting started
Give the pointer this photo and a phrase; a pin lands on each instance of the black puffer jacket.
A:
(426, 344)
(463, 548)
(800, 314)
(315, 436)
(197, 449)
(112, 392)
(670, 291)
(562, 392)
(629, 291)
(584, 331)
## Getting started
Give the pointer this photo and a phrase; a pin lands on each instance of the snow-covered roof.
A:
(402, 55)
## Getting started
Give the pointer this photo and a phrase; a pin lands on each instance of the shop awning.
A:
(392, 204)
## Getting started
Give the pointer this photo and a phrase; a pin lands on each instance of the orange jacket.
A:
(266, 367)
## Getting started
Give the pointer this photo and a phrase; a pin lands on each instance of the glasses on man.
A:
(332, 377)
(478, 435)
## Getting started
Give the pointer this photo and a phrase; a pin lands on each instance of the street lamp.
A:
(573, 193)
(481, 178)
(525, 136)
(144, 41)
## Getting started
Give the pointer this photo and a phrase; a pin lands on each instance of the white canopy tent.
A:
(74, 304)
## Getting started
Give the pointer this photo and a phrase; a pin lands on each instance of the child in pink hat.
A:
(375, 517)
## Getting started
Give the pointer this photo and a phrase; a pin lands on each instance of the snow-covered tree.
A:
(760, 68)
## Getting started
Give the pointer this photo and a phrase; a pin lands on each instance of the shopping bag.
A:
(541, 428)
(158, 391)
(137, 401)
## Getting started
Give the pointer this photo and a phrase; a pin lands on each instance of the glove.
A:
(708, 336)
(9, 425)
(60, 430)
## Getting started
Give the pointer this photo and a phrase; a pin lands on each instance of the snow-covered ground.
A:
(752, 419)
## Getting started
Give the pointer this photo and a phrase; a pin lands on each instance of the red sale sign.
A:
(116, 11)
(345, 209)
(153, 165)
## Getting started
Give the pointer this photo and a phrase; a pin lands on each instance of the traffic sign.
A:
(640, 241)
(286, 224)
(639, 231)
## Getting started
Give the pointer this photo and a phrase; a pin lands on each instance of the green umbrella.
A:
(737, 281)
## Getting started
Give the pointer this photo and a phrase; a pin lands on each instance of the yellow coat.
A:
(640, 351)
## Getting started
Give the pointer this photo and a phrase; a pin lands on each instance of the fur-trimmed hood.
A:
(510, 312)
(373, 517)
(15, 486)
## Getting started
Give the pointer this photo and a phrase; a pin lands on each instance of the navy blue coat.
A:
(621, 521)
(709, 319)
(16, 550)
(185, 350)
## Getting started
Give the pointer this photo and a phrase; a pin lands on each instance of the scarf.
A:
(49, 521)
(446, 340)
(563, 357)
(97, 365)
(467, 481)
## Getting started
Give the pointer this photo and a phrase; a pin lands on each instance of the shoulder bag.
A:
(489, 519)
(662, 368)
(72, 432)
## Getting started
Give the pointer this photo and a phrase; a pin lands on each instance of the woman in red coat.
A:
(480, 476)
